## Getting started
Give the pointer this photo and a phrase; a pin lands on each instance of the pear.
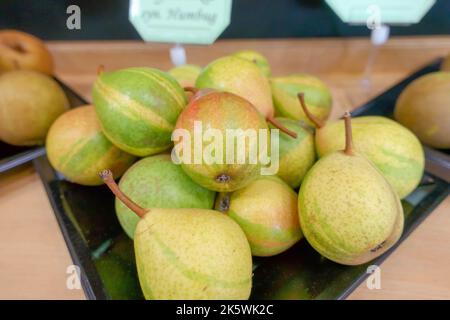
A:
(156, 181)
(29, 103)
(186, 254)
(222, 113)
(77, 148)
(243, 78)
(392, 148)
(269, 220)
(257, 58)
(424, 108)
(348, 211)
(317, 95)
(185, 74)
(296, 156)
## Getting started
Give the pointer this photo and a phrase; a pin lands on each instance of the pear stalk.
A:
(348, 134)
(108, 179)
(193, 90)
(317, 122)
(282, 128)
(100, 69)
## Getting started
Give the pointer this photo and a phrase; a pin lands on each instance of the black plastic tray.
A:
(105, 254)
(13, 156)
(438, 160)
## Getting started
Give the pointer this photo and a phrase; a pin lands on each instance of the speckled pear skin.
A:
(392, 148)
(222, 111)
(241, 77)
(424, 108)
(257, 58)
(317, 96)
(296, 156)
(268, 219)
(192, 254)
(348, 211)
(186, 74)
(156, 182)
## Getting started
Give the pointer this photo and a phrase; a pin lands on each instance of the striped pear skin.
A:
(78, 149)
(192, 254)
(268, 219)
(392, 148)
(138, 108)
(296, 156)
(285, 90)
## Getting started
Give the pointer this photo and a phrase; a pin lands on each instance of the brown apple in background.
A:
(20, 50)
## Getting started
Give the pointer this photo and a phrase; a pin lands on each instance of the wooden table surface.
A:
(33, 254)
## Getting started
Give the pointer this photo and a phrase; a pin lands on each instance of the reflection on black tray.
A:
(13, 156)
(105, 254)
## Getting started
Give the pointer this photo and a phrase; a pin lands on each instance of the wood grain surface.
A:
(33, 254)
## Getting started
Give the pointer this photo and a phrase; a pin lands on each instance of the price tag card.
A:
(180, 21)
(384, 11)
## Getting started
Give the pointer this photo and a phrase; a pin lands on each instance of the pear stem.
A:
(317, 122)
(108, 179)
(348, 134)
(277, 124)
(100, 69)
(193, 90)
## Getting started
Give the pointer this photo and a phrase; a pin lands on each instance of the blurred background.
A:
(108, 20)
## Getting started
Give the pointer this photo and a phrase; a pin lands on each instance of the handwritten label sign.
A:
(385, 11)
(180, 21)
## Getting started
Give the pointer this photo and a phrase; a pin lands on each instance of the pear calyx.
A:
(108, 178)
(280, 126)
(224, 204)
(317, 122)
(348, 134)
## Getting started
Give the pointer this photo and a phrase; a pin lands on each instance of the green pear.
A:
(348, 211)
(186, 74)
(424, 108)
(296, 156)
(243, 78)
(156, 182)
(392, 148)
(269, 220)
(285, 91)
(188, 254)
(257, 58)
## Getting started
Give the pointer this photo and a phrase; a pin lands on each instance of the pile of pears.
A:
(196, 226)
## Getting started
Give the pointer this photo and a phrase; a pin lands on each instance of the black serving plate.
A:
(105, 254)
(13, 156)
